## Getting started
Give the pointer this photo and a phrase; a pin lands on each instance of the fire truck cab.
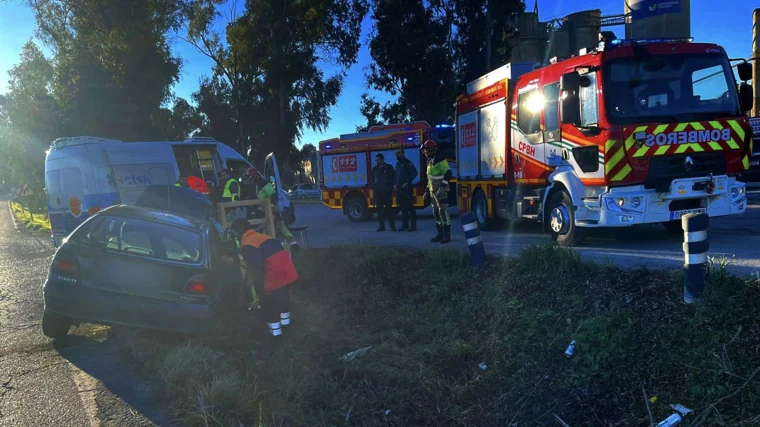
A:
(634, 132)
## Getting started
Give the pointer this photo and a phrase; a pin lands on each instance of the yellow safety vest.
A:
(228, 193)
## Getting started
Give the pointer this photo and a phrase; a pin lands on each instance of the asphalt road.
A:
(83, 381)
(736, 238)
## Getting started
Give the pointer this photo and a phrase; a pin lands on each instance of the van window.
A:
(551, 106)
(159, 176)
(238, 167)
(53, 188)
(528, 112)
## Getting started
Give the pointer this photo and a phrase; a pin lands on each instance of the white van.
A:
(85, 174)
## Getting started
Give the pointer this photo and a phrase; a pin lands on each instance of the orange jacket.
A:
(262, 251)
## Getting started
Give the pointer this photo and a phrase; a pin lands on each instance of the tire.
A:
(303, 197)
(561, 216)
(54, 326)
(673, 227)
(479, 208)
(357, 210)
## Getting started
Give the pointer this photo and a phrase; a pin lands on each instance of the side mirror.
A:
(746, 96)
(570, 110)
(745, 71)
(570, 82)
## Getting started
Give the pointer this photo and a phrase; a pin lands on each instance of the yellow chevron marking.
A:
(622, 174)
(660, 129)
(716, 124)
(737, 128)
(732, 144)
(697, 126)
(715, 146)
(682, 148)
(745, 162)
(662, 150)
(614, 160)
(680, 127)
(697, 147)
(641, 152)
(630, 140)
(609, 144)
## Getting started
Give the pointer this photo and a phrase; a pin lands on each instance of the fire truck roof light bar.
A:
(620, 42)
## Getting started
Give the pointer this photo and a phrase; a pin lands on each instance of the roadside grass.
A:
(41, 222)
(431, 319)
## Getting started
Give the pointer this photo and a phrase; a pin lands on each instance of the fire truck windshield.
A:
(669, 88)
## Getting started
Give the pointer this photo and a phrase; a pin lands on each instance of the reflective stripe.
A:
(695, 236)
(470, 226)
(473, 240)
(444, 182)
(285, 319)
(695, 258)
(435, 176)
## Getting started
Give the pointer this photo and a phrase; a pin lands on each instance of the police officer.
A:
(405, 175)
(437, 191)
(383, 179)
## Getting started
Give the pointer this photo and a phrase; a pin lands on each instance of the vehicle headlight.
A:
(614, 205)
(734, 192)
(635, 202)
(620, 201)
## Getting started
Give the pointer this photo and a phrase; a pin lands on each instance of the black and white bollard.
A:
(472, 235)
(695, 246)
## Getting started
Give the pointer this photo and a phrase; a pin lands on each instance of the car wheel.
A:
(673, 227)
(561, 216)
(54, 326)
(303, 197)
(479, 208)
(356, 210)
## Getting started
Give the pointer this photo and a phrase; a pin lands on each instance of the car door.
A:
(272, 172)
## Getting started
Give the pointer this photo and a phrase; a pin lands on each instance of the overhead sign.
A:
(648, 8)
(25, 191)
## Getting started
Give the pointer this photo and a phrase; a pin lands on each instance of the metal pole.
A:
(472, 235)
(755, 56)
(695, 246)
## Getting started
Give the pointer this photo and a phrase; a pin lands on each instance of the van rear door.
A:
(136, 165)
(272, 171)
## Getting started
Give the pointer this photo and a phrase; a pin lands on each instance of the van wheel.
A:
(480, 209)
(357, 210)
(54, 326)
(561, 216)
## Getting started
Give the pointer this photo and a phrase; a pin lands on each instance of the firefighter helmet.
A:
(251, 172)
(429, 144)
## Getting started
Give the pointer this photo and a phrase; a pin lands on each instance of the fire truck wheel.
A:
(357, 210)
(480, 209)
(562, 220)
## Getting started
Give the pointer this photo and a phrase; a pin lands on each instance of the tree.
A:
(110, 74)
(267, 71)
(424, 52)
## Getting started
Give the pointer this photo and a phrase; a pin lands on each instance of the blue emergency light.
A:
(443, 126)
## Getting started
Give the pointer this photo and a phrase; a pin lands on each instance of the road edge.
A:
(13, 217)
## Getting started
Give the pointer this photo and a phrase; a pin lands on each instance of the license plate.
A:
(679, 214)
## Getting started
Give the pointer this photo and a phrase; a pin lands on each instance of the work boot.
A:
(275, 329)
(446, 234)
(381, 226)
(438, 236)
(285, 318)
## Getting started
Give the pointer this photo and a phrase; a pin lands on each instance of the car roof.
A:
(155, 215)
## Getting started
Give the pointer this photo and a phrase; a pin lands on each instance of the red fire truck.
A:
(634, 132)
(346, 164)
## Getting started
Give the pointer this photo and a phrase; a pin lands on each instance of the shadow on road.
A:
(107, 362)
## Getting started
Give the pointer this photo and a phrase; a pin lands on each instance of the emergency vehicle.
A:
(753, 174)
(346, 164)
(634, 132)
(84, 175)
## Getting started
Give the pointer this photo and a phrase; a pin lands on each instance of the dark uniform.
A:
(383, 178)
(405, 174)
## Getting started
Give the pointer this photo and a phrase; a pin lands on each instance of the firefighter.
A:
(231, 187)
(405, 175)
(383, 179)
(182, 182)
(270, 272)
(437, 190)
(266, 189)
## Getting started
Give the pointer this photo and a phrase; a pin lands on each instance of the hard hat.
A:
(429, 144)
(251, 172)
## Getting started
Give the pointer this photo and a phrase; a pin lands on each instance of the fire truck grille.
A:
(664, 169)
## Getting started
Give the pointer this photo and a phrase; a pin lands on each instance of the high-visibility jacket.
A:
(261, 251)
(177, 184)
(228, 194)
(438, 173)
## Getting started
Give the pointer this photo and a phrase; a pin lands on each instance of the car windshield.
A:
(150, 239)
(669, 88)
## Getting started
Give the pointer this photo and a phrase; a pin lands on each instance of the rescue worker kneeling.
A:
(270, 271)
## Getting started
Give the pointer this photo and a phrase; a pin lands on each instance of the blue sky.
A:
(729, 26)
